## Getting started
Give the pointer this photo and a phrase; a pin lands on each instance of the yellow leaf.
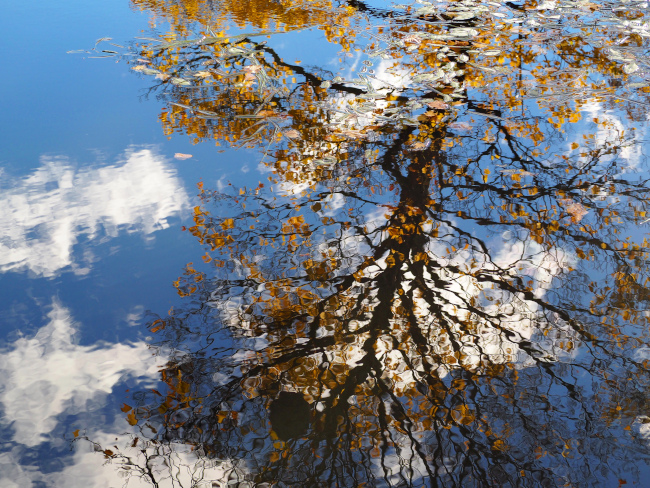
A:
(131, 418)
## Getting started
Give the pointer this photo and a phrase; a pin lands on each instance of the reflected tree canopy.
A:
(442, 282)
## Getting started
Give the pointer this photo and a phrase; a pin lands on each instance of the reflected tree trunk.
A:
(430, 290)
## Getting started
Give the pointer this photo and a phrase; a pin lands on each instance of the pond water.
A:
(325, 244)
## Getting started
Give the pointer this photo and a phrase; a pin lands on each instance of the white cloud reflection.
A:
(45, 214)
(14, 475)
(172, 466)
(47, 375)
(611, 133)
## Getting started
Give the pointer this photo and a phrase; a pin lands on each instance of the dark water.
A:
(325, 244)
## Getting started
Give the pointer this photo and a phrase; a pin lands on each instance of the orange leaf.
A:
(131, 419)
(156, 326)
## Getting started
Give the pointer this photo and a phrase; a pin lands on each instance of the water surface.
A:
(355, 244)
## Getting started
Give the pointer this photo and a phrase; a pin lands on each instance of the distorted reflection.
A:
(61, 376)
(48, 378)
(443, 282)
(45, 214)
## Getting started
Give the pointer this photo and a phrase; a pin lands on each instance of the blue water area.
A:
(93, 203)
(410, 287)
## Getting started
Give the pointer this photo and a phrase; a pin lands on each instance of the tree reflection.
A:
(432, 290)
